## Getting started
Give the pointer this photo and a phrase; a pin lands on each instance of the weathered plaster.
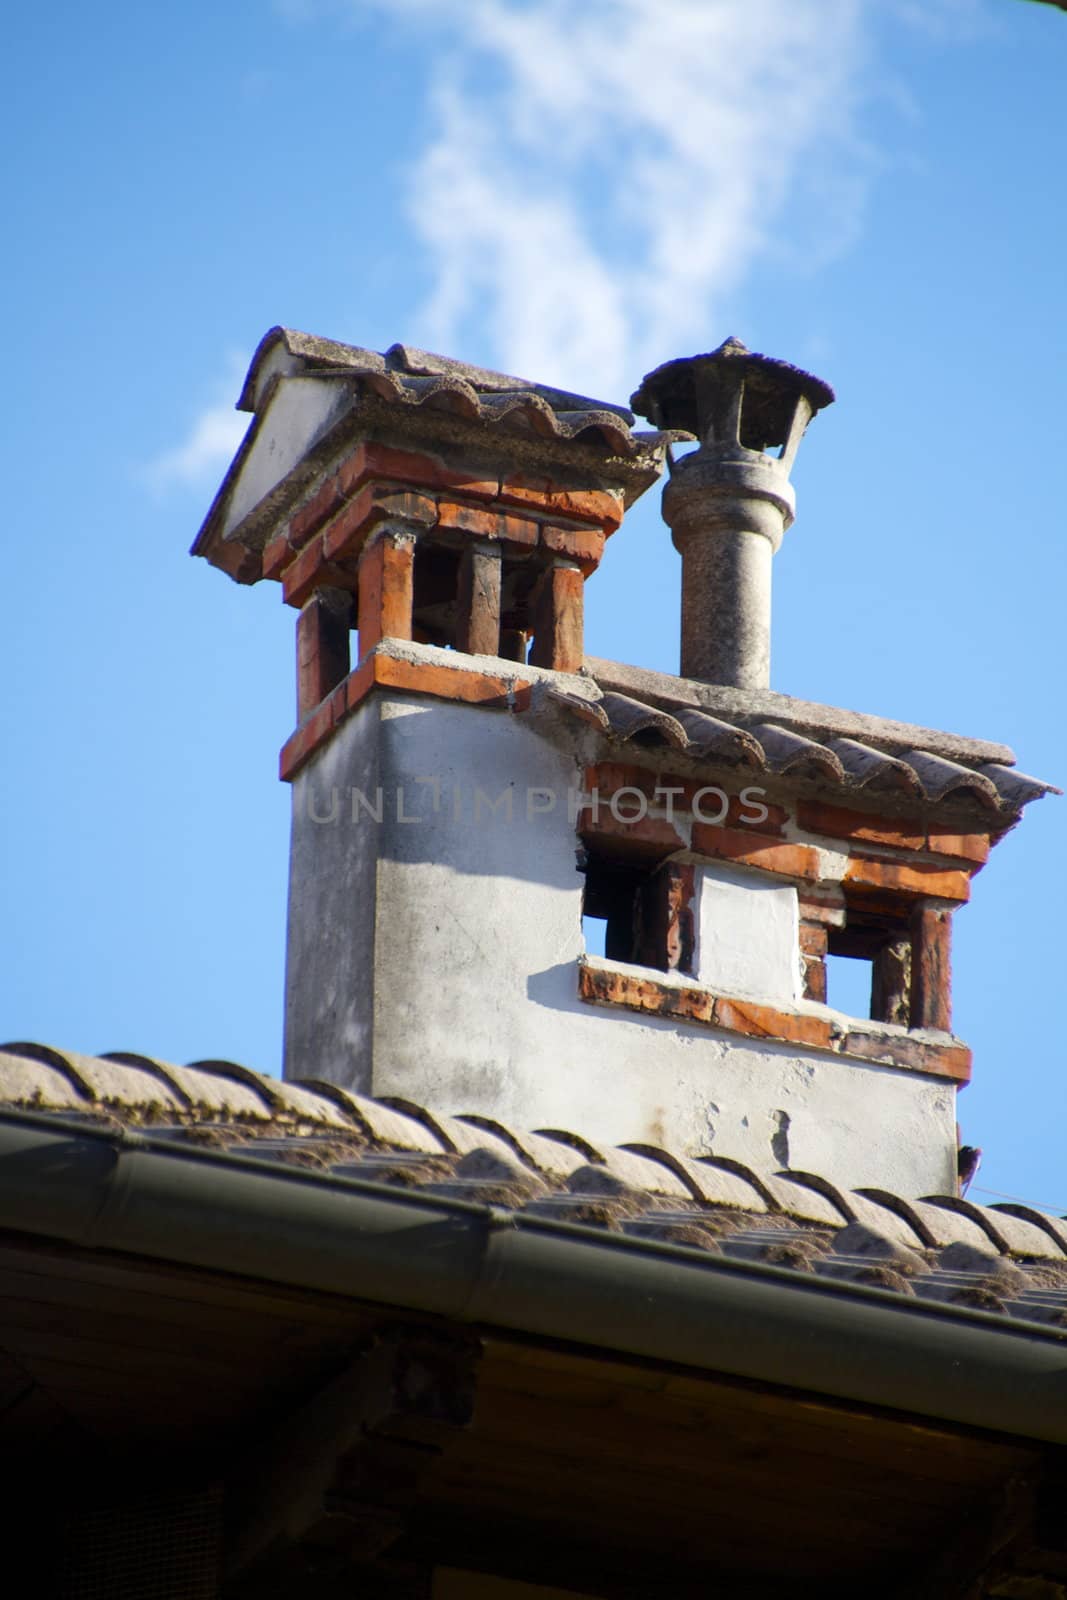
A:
(434, 956)
(333, 867)
(300, 411)
(747, 934)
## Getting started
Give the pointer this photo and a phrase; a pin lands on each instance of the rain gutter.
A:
(117, 1191)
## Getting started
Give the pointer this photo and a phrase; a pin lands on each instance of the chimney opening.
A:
(637, 911)
(849, 981)
(434, 609)
(474, 599)
(610, 906)
(868, 968)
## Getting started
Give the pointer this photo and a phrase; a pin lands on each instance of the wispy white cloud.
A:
(599, 177)
(209, 443)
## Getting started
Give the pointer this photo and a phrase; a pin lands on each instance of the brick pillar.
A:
(386, 588)
(814, 940)
(666, 931)
(931, 968)
(322, 647)
(559, 619)
(478, 629)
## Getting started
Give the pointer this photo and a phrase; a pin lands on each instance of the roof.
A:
(408, 376)
(1008, 1260)
(777, 736)
(314, 397)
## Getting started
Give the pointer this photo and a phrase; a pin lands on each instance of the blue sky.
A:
(874, 190)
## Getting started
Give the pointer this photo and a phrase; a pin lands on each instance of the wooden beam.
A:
(931, 968)
(478, 628)
(558, 625)
(891, 982)
(666, 932)
(979, 1545)
(344, 1469)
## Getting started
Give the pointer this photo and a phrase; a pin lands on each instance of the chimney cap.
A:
(684, 393)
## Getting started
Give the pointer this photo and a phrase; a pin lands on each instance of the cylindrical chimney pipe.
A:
(729, 503)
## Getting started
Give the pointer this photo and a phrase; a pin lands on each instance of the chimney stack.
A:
(729, 503)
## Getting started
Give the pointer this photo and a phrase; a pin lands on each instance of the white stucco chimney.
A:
(546, 891)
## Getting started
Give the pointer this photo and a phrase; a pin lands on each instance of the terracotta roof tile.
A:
(778, 751)
(709, 1182)
(945, 1226)
(406, 376)
(1010, 1259)
(102, 1081)
(550, 1157)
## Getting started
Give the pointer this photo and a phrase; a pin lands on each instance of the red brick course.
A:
(814, 938)
(349, 531)
(815, 979)
(310, 571)
(374, 460)
(653, 997)
(379, 481)
(443, 683)
(765, 1022)
(749, 848)
(919, 1055)
(277, 556)
(824, 904)
(643, 835)
(902, 833)
(644, 994)
(914, 878)
(585, 546)
(386, 589)
(488, 523)
(370, 461)
(601, 507)
(606, 778)
(966, 846)
(836, 822)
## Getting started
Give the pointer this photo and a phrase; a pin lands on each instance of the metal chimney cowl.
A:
(729, 502)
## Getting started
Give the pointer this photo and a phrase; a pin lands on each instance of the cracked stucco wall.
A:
(433, 955)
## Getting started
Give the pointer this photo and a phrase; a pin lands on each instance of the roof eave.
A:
(110, 1191)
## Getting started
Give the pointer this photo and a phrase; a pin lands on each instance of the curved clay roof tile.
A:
(788, 752)
(708, 736)
(632, 719)
(940, 778)
(866, 768)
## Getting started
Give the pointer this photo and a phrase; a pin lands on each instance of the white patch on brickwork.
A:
(833, 864)
(747, 934)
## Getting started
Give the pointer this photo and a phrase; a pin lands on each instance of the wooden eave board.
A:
(574, 1452)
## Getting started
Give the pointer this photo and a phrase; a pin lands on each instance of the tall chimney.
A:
(729, 503)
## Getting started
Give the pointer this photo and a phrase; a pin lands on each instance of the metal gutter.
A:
(113, 1191)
